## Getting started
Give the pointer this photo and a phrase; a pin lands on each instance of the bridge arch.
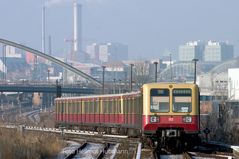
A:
(50, 58)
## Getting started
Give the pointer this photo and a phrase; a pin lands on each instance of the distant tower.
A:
(49, 45)
(43, 29)
(77, 40)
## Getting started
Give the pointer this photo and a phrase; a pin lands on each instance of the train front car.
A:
(171, 114)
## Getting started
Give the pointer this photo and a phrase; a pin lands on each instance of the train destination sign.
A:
(183, 92)
(159, 92)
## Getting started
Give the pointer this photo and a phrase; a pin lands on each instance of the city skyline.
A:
(148, 28)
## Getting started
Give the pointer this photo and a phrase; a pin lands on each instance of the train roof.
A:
(100, 96)
(170, 83)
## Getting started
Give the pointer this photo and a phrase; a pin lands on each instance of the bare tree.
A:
(141, 73)
(220, 121)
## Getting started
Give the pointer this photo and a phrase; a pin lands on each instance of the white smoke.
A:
(95, 1)
(49, 3)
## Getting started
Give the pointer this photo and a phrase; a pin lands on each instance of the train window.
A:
(78, 104)
(86, 106)
(75, 107)
(57, 105)
(62, 107)
(119, 105)
(114, 106)
(68, 107)
(182, 100)
(110, 106)
(159, 100)
(105, 106)
(96, 106)
(65, 107)
(72, 107)
(91, 107)
(137, 107)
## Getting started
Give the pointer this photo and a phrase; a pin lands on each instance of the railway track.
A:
(210, 151)
(115, 144)
(88, 150)
(193, 155)
(205, 150)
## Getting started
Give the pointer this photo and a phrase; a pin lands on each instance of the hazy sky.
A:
(147, 26)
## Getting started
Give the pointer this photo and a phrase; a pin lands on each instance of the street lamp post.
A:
(195, 70)
(48, 76)
(131, 77)
(114, 86)
(103, 80)
(155, 64)
(119, 85)
(171, 71)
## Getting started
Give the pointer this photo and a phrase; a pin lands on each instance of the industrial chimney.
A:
(43, 28)
(77, 32)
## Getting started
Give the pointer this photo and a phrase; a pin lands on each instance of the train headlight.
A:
(154, 119)
(187, 119)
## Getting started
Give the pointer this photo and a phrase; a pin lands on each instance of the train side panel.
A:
(121, 111)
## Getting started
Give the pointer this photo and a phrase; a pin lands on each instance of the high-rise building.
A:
(113, 52)
(233, 84)
(93, 51)
(210, 52)
(217, 51)
(13, 52)
(107, 52)
(191, 50)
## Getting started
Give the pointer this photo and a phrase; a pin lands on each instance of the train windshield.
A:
(182, 100)
(159, 100)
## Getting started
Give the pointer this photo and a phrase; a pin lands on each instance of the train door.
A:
(111, 115)
(101, 111)
(74, 111)
(117, 113)
(107, 117)
(70, 111)
(140, 110)
(125, 113)
(105, 112)
(87, 110)
(115, 110)
(83, 104)
(62, 111)
(121, 110)
(81, 110)
(97, 118)
(94, 110)
(77, 111)
(65, 111)
(130, 111)
(57, 112)
(90, 111)
(133, 116)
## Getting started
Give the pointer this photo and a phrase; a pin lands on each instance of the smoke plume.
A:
(49, 3)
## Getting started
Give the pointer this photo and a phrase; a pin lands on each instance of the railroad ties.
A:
(212, 150)
(88, 150)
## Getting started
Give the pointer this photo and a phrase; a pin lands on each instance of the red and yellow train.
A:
(164, 112)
